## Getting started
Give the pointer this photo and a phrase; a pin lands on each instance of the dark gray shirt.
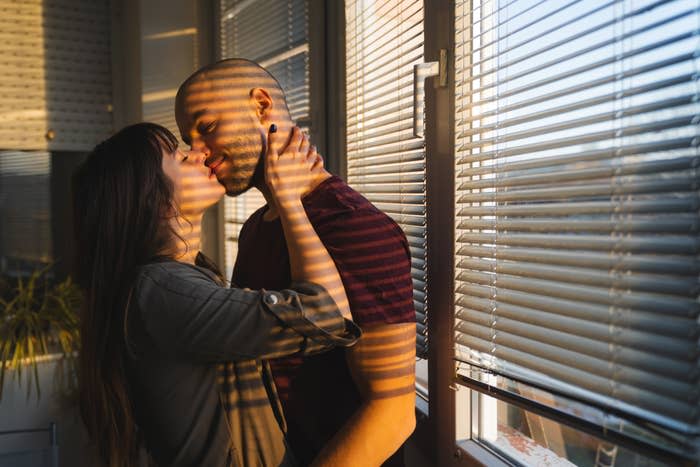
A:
(201, 394)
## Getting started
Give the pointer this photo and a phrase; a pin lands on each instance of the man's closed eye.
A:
(206, 128)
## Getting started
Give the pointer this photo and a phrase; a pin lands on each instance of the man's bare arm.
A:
(382, 364)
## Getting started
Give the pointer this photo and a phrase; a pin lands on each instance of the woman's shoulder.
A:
(171, 271)
(164, 266)
(162, 286)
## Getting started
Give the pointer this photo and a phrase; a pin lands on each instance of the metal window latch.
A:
(420, 73)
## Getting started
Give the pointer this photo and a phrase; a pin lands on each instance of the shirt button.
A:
(271, 299)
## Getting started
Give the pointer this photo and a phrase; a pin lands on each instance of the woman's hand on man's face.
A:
(289, 175)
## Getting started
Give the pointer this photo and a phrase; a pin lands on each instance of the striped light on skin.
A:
(195, 190)
(225, 112)
(385, 356)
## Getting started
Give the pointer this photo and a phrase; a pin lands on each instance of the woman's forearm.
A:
(308, 258)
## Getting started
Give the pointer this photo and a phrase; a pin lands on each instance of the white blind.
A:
(55, 74)
(578, 204)
(385, 162)
(277, 39)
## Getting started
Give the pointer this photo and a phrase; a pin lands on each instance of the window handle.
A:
(420, 73)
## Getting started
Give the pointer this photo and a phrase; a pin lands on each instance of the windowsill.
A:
(513, 444)
(479, 454)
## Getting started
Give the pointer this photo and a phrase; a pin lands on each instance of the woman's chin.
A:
(193, 206)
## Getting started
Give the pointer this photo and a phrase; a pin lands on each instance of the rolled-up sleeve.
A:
(185, 313)
(315, 316)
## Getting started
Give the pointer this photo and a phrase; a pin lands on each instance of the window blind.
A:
(55, 74)
(578, 199)
(385, 162)
(279, 41)
(25, 231)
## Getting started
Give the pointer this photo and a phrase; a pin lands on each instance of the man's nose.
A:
(199, 146)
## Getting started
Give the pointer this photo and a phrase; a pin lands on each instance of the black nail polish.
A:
(273, 128)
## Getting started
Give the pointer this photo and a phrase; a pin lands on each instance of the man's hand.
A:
(382, 364)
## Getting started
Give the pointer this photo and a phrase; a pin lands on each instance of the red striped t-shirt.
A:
(373, 259)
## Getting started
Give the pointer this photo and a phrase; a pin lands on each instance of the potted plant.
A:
(37, 318)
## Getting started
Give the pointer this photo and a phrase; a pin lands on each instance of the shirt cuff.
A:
(309, 310)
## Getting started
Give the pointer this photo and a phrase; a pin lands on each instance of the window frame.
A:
(439, 28)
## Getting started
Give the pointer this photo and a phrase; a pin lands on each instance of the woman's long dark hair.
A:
(122, 205)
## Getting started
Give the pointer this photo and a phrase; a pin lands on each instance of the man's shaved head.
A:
(233, 78)
(225, 110)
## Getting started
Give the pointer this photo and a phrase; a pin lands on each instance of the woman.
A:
(165, 347)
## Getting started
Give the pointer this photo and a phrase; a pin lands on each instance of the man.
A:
(352, 407)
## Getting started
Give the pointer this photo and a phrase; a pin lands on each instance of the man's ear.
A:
(262, 102)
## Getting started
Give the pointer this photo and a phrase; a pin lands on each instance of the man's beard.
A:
(239, 188)
(236, 186)
(258, 179)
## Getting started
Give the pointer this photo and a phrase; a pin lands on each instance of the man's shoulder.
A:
(333, 200)
(335, 192)
(337, 203)
(372, 256)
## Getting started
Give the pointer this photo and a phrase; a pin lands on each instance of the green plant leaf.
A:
(36, 315)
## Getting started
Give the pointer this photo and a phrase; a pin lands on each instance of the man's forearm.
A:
(376, 430)
(382, 364)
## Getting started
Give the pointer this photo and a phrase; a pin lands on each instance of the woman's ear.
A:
(262, 101)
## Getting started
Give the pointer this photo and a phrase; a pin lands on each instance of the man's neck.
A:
(189, 228)
(272, 212)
